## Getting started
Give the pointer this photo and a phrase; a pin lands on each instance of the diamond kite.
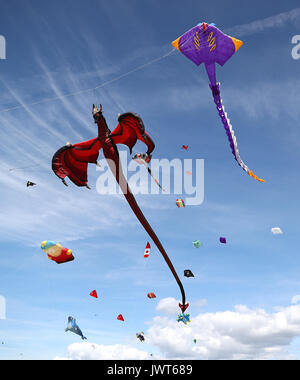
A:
(94, 294)
(180, 203)
(222, 240)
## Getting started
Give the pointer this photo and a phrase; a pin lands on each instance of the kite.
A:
(222, 240)
(188, 273)
(147, 250)
(56, 252)
(276, 231)
(72, 161)
(185, 318)
(185, 147)
(180, 203)
(120, 317)
(30, 184)
(195, 341)
(94, 294)
(73, 327)
(151, 295)
(197, 243)
(205, 43)
(140, 336)
(144, 159)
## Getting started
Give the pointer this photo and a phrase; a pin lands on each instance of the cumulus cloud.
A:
(168, 306)
(239, 334)
(92, 351)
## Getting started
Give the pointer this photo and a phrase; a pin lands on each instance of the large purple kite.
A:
(207, 44)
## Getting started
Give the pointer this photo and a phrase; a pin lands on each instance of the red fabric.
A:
(151, 295)
(185, 307)
(120, 318)
(63, 257)
(72, 160)
(94, 294)
(129, 130)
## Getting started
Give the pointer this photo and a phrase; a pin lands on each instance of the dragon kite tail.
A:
(229, 130)
(118, 173)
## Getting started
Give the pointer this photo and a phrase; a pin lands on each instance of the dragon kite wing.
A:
(130, 129)
(72, 161)
(205, 43)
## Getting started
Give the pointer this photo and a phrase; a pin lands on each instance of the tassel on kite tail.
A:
(144, 159)
(118, 173)
(229, 130)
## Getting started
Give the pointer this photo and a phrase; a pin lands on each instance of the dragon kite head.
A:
(97, 112)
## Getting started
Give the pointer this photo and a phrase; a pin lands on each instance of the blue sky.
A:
(61, 47)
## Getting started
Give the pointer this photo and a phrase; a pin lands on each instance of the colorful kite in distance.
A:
(180, 203)
(151, 295)
(188, 273)
(185, 147)
(56, 252)
(223, 240)
(185, 318)
(140, 336)
(94, 294)
(205, 43)
(147, 250)
(120, 317)
(144, 159)
(30, 184)
(73, 327)
(197, 243)
(276, 231)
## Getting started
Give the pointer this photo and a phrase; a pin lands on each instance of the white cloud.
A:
(277, 21)
(92, 351)
(239, 334)
(168, 306)
(295, 299)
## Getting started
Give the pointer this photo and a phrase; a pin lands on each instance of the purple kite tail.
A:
(229, 130)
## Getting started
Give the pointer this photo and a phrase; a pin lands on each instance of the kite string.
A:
(93, 88)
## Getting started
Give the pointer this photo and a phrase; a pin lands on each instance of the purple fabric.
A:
(196, 45)
(217, 98)
(223, 240)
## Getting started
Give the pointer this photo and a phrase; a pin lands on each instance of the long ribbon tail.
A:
(155, 180)
(229, 130)
(118, 173)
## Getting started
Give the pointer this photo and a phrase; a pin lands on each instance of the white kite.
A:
(276, 231)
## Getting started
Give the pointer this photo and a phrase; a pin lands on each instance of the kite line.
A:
(116, 79)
